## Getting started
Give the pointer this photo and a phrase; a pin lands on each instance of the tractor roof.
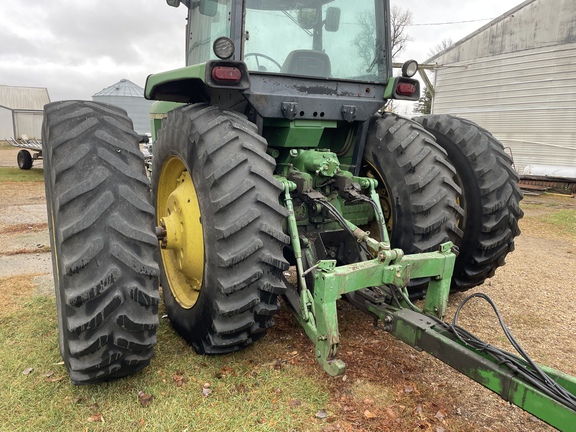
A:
(284, 4)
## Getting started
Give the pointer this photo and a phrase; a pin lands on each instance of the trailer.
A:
(31, 151)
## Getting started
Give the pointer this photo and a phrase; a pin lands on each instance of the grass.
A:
(250, 391)
(550, 217)
(18, 175)
(564, 219)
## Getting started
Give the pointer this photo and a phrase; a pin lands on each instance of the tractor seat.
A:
(307, 62)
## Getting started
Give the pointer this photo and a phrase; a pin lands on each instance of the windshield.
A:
(319, 38)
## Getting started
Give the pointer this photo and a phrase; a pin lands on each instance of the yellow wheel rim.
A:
(182, 250)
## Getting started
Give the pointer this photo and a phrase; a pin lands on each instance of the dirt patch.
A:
(21, 264)
(22, 193)
(24, 240)
(24, 228)
(14, 292)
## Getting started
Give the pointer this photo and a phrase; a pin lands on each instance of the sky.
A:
(75, 48)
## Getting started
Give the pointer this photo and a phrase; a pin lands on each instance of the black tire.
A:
(418, 195)
(225, 299)
(490, 197)
(103, 244)
(24, 160)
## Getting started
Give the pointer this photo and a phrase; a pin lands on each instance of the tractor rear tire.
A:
(415, 183)
(490, 197)
(221, 278)
(102, 237)
(24, 160)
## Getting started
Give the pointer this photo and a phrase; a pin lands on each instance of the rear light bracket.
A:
(242, 84)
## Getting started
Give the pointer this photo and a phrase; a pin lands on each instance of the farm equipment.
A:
(272, 150)
(25, 158)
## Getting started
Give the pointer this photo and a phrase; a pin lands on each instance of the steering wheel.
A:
(262, 68)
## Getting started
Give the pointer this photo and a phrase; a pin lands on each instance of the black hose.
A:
(532, 374)
(333, 211)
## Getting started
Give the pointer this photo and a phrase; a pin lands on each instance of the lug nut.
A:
(161, 236)
(160, 232)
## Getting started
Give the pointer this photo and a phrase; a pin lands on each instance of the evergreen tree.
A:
(424, 104)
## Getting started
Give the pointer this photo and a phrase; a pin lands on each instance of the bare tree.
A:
(439, 47)
(364, 40)
(400, 19)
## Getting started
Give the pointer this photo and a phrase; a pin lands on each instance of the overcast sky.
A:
(75, 48)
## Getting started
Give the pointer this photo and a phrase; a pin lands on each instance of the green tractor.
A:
(272, 150)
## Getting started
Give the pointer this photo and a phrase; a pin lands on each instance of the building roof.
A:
(506, 15)
(123, 87)
(24, 98)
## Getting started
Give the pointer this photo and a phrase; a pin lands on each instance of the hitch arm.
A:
(427, 334)
(391, 268)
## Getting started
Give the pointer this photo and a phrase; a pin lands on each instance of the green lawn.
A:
(18, 175)
(250, 390)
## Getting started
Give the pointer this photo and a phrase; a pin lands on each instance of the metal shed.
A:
(21, 111)
(516, 77)
(125, 94)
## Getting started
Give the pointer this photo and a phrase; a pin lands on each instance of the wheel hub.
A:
(181, 234)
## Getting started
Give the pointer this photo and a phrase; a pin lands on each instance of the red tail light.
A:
(406, 89)
(229, 75)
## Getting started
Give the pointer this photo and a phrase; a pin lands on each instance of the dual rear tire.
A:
(490, 197)
(444, 178)
(222, 268)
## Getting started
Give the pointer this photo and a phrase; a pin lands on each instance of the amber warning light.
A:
(226, 74)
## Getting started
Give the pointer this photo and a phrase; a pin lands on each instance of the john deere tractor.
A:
(273, 150)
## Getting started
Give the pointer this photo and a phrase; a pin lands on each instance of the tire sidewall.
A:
(48, 179)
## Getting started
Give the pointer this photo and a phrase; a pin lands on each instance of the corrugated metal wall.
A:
(29, 124)
(6, 123)
(526, 99)
(516, 77)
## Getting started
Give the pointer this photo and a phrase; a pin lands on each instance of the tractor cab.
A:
(280, 61)
(333, 39)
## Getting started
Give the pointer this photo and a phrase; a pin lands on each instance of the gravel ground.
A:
(531, 292)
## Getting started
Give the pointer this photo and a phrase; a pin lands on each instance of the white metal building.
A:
(516, 77)
(125, 94)
(21, 111)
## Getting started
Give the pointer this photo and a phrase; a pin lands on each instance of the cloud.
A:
(443, 11)
(76, 48)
